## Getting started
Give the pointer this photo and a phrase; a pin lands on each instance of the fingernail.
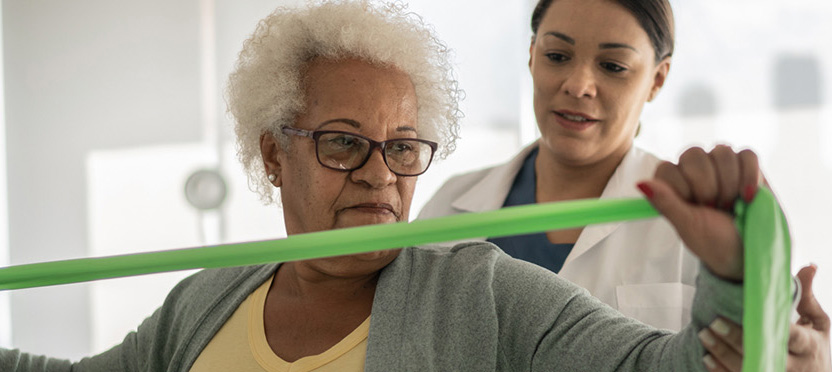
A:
(720, 327)
(645, 189)
(706, 337)
(709, 361)
(748, 193)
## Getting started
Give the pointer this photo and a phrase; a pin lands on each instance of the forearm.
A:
(597, 338)
(17, 361)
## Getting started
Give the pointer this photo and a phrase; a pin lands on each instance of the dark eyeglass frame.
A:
(316, 134)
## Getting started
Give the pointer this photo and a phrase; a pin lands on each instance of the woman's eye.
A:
(556, 57)
(343, 141)
(612, 67)
(402, 147)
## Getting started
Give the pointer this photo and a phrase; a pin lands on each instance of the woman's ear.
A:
(270, 151)
(531, 52)
(659, 77)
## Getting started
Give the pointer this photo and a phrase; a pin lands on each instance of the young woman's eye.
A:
(556, 57)
(612, 67)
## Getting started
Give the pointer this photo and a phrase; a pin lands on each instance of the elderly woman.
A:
(338, 105)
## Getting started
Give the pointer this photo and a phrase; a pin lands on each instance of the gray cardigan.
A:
(470, 308)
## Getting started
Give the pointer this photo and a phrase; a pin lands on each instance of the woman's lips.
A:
(374, 208)
(574, 120)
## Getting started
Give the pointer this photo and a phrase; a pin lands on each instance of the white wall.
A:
(80, 76)
(5, 310)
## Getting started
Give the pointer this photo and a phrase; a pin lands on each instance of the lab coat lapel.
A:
(490, 193)
(622, 184)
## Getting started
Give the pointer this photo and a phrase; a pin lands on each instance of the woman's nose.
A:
(580, 83)
(375, 172)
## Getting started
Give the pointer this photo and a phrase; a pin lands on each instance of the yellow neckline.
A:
(270, 361)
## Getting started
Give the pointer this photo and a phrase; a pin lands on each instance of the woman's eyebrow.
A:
(354, 123)
(561, 36)
(615, 46)
(405, 128)
(571, 41)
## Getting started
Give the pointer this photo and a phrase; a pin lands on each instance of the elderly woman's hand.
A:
(697, 197)
(808, 339)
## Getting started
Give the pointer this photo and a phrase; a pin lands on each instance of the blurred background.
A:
(115, 139)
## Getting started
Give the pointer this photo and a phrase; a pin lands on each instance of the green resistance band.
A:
(765, 234)
(507, 221)
(767, 290)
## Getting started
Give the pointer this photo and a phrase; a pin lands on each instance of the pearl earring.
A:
(272, 177)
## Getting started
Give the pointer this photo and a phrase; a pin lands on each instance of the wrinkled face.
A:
(378, 103)
(593, 69)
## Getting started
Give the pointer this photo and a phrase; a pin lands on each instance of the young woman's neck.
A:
(559, 181)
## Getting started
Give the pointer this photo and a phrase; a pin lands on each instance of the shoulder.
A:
(192, 312)
(209, 293)
(476, 191)
(440, 204)
(209, 290)
(487, 265)
(642, 159)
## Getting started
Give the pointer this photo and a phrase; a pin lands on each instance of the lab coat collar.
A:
(490, 192)
(636, 165)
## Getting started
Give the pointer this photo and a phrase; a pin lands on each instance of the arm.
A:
(580, 333)
(123, 357)
(687, 194)
(17, 361)
(169, 339)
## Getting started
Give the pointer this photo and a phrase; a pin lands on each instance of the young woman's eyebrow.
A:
(615, 46)
(561, 36)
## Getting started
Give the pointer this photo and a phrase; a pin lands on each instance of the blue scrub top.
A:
(534, 248)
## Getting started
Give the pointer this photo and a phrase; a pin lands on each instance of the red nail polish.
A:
(646, 190)
(748, 193)
(711, 204)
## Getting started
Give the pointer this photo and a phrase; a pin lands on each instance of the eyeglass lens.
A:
(347, 152)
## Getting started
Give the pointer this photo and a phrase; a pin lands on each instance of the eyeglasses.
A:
(345, 151)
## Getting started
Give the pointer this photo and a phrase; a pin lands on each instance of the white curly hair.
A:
(265, 91)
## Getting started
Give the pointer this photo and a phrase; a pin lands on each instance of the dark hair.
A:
(654, 16)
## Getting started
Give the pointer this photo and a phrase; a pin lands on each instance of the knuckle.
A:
(692, 153)
(723, 154)
(722, 150)
(748, 154)
(665, 169)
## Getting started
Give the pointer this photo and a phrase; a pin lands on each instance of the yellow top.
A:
(240, 345)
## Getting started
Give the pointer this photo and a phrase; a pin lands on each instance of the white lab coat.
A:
(641, 268)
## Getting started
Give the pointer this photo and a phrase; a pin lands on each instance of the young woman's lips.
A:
(573, 120)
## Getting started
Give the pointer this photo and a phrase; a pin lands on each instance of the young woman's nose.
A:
(580, 82)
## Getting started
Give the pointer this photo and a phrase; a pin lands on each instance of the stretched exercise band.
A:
(761, 223)
(767, 284)
(508, 221)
